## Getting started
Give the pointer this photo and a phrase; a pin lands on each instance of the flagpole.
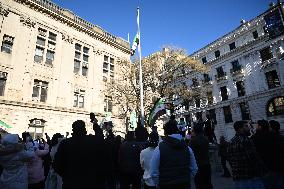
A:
(140, 72)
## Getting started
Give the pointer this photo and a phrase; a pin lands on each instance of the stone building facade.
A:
(53, 67)
(246, 78)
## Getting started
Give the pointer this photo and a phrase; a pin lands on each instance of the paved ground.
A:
(218, 181)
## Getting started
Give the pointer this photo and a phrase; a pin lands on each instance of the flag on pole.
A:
(135, 43)
(159, 109)
(3, 124)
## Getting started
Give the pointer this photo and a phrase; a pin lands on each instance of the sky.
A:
(188, 24)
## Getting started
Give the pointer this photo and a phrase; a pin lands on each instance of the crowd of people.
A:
(142, 160)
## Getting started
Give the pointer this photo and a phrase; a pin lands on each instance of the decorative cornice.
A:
(27, 21)
(3, 11)
(98, 52)
(67, 17)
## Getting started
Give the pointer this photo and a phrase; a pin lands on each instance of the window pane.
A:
(266, 54)
(78, 47)
(2, 86)
(111, 60)
(51, 45)
(40, 41)
(76, 66)
(77, 55)
(43, 94)
(49, 57)
(232, 46)
(35, 91)
(52, 36)
(111, 67)
(106, 58)
(6, 47)
(85, 58)
(84, 71)
(86, 50)
(105, 65)
(75, 98)
(81, 101)
(38, 54)
(227, 114)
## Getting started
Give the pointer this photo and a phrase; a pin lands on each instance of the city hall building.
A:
(246, 77)
(53, 68)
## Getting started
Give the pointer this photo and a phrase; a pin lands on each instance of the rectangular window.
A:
(204, 60)
(217, 54)
(81, 60)
(224, 93)
(255, 34)
(79, 99)
(206, 77)
(108, 67)
(7, 44)
(232, 46)
(40, 89)
(210, 98)
(241, 88)
(236, 65)
(220, 72)
(272, 79)
(212, 115)
(45, 47)
(266, 54)
(77, 66)
(245, 111)
(227, 114)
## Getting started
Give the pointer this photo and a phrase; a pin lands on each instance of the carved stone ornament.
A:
(98, 52)
(26, 21)
(3, 11)
(67, 38)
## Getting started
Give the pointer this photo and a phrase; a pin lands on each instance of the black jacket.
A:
(82, 162)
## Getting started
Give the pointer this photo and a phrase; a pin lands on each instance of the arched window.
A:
(275, 106)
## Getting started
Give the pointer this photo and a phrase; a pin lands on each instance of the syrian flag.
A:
(135, 43)
(3, 124)
(158, 110)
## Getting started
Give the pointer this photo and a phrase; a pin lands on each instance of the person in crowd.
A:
(110, 141)
(15, 173)
(35, 166)
(96, 127)
(129, 164)
(200, 146)
(117, 144)
(54, 181)
(173, 162)
(145, 160)
(247, 167)
(209, 129)
(274, 126)
(82, 160)
(270, 148)
(222, 152)
(141, 133)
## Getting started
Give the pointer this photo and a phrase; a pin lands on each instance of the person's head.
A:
(26, 137)
(274, 126)
(130, 136)
(198, 129)
(241, 127)
(170, 128)
(79, 128)
(55, 138)
(262, 125)
(172, 117)
(153, 140)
